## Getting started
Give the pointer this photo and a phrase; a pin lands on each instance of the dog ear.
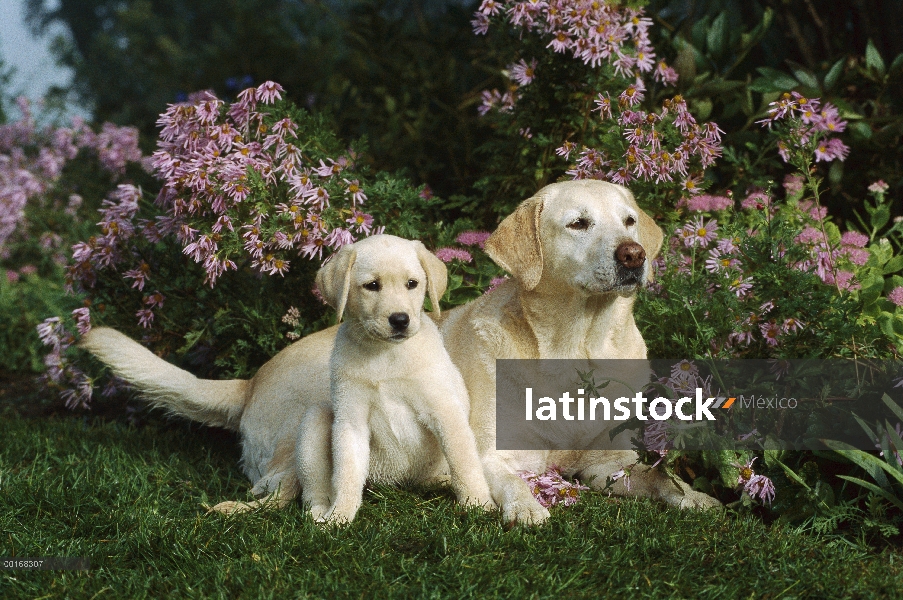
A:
(436, 275)
(515, 244)
(334, 279)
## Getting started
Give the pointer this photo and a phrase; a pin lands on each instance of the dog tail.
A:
(218, 403)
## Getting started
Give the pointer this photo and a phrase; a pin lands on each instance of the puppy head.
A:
(587, 235)
(381, 282)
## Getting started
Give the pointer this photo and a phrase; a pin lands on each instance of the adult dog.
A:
(578, 251)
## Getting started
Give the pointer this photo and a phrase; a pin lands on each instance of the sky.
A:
(35, 68)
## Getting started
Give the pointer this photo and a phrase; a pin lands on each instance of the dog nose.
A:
(399, 321)
(630, 255)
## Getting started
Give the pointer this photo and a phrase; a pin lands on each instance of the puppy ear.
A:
(334, 279)
(515, 244)
(436, 275)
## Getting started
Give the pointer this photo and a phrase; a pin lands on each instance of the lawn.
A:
(130, 495)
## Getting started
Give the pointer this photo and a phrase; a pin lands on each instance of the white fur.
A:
(399, 406)
(562, 303)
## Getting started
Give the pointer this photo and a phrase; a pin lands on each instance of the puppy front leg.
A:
(314, 460)
(351, 452)
(450, 426)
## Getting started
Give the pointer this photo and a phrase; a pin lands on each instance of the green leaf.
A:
(773, 80)
(874, 488)
(805, 77)
(893, 265)
(716, 37)
(789, 472)
(872, 465)
(897, 65)
(880, 216)
(873, 59)
(834, 74)
(897, 410)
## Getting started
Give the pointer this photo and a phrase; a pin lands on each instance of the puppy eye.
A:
(630, 222)
(373, 286)
(579, 224)
(412, 283)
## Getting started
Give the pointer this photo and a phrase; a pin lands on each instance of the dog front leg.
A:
(351, 453)
(450, 426)
(314, 460)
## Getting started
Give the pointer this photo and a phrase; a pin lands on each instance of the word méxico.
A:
(659, 409)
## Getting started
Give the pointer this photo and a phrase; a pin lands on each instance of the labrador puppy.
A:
(577, 251)
(399, 406)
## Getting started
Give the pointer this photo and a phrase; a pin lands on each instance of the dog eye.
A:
(412, 283)
(630, 222)
(579, 224)
(373, 286)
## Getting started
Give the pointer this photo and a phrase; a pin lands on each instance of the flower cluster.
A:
(551, 488)
(221, 164)
(808, 126)
(661, 147)
(755, 486)
(74, 386)
(591, 31)
(32, 159)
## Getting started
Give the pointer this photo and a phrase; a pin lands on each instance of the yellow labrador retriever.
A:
(399, 406)
(577, 250)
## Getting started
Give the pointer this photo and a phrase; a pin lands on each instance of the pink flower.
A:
(706, 203)
(854, 238)
(740, 285)
(449, 254)
(523, 73)
(761, 487)
(700, 233)
(896, 295)
(269, 91)
(473, 238)
(82, 320)
(145, 317)
(771, 331)
(551, 488)
(790, 325)
(879, 187)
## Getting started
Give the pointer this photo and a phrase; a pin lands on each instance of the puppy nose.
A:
(630, 255)
(399, 321)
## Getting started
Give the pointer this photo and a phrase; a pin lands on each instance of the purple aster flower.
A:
(473, 238)
(761, 487)
(896, 295)
(449, 254)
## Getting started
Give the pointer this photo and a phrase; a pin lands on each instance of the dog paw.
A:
(485, 502)
(230, 507)
(318, 512)
(525, 513)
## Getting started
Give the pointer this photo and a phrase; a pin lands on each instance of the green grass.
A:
(130, 499)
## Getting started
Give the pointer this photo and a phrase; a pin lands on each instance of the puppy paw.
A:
(230, 507)
(525, 512)
(479, 501)
(318, 512)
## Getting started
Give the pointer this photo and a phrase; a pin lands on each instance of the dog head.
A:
(380, 282)
(587, 235)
